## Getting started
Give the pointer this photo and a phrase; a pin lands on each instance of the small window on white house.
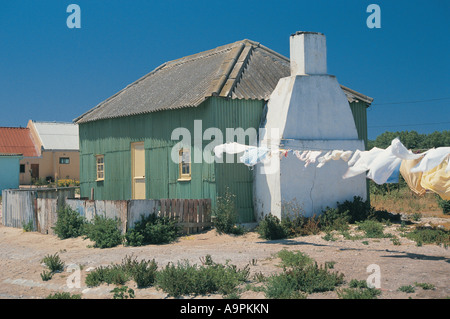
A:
(100, 167)
(185, 164)
(64, 160)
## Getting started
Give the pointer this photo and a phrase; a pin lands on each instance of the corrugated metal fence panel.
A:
(139, 208)
(18, 208)
(46, 215)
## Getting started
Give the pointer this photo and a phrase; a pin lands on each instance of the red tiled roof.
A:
(17, 140)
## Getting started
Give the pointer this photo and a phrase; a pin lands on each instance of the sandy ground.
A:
(21, 254)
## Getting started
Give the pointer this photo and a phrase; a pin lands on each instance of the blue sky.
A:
(49, 72)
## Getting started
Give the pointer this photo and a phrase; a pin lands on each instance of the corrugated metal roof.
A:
(242, 70)
(17, 140)
(58, 135)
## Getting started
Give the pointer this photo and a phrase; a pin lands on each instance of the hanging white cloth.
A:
(432, 158)
(231, 148)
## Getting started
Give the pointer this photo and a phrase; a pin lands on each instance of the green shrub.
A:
(358, 293)
(294, 259)
(372, 229)
(184, 279)
(152, 229)
(69, 224)
(226, 215)
(114, 274)
(63, 295)
(444, 204)
(429, 235)
(270, 228)
(354, 283)
(46, 275)
(334, 219)
(123, 293)
(53, 263)
(27, 227)
(283, 286)
(104, 232)
(142, 272)
(357, 210)
(424, 286)
(408, 289)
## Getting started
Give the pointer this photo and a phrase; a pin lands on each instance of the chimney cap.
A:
(305, 32)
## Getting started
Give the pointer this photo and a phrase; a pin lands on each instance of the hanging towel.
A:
(323, 159)
(399, 150)
(361, 161)
(412, 179)
(437, 180)
(346, 155)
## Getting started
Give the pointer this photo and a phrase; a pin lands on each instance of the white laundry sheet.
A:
(432, 158)
(231, 148)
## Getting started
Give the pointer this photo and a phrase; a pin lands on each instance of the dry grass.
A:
(404, 201)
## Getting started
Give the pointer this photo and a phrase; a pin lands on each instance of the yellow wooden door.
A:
(138, 170)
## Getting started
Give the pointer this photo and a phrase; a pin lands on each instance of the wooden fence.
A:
(19, 208)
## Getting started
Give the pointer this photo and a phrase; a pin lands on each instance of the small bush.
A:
(425, 286)
(28, 227)
(408, 289)
(144, 273)
(63, 295)
(104, 232)
(354, 283)
(69, 224)
(46, 275)
(372, 229)
(429, 235)
(227, 216)
(444, 204)
(283, 286)
(357, 210)
(334, 219)
(294, 259)
(185, 279)
(270, 228)
(53, 263)
(113, 274)
(152, 230)
(123, 293)
(358, 293)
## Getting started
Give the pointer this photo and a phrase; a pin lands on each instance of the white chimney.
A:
(308, 51)
(307, 110)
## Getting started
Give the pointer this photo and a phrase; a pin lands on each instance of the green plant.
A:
(444, 204)
(408, 289)
(63, 295)
(425, 286)
(152, 229)
(329, 237)
(294, 258)
(396, 241)
(354, 283)
(53, 263)
(330, 264)
(429, 235)
(144, 273)
(104, 232)
(123, 293)
(358, 293)
(69, 224)
(46, 275)
(226, 215)
(334, 219)
(372, 229)
(283, 286)
(416, 217)
(28, 227)
(270, 228)
(185, 278)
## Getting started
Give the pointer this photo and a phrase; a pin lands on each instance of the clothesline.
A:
(431, 168)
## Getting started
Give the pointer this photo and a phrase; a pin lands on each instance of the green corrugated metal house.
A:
(126, 141)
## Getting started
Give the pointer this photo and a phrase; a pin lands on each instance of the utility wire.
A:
(417, 124)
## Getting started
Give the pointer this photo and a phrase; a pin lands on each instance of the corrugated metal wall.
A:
(112, 138)
(359, 110)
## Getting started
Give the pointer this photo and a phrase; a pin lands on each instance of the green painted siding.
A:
(359, 110)
(113, 137)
